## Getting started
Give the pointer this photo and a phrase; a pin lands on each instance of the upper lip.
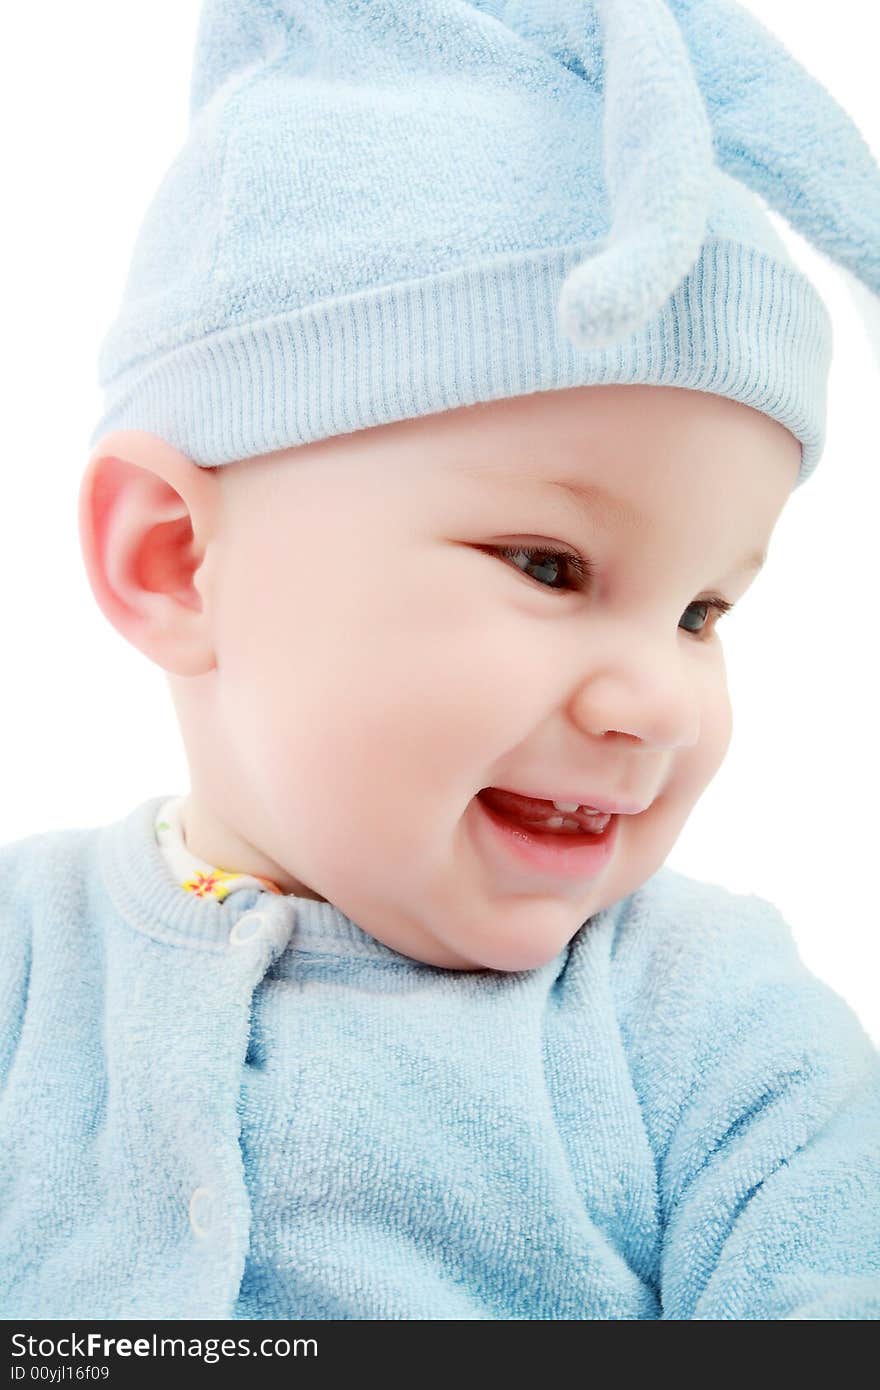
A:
(599, 803)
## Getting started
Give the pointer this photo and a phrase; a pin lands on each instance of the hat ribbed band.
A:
(741, 324)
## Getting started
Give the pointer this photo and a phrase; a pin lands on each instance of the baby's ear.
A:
(146, 515)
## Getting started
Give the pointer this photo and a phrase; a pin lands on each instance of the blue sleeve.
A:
(770, 1178)
(15, 958)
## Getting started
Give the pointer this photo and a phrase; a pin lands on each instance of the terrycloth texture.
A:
(251, 1108)
(392, 208)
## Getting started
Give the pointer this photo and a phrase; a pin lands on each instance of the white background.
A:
(94, 108)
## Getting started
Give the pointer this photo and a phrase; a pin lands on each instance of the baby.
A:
(455, 395)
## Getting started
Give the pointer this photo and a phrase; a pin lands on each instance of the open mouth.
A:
(540, 816)
(556, 853)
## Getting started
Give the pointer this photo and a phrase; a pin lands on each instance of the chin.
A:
(516, 958)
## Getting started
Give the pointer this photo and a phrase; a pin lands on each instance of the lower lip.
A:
(571, 856)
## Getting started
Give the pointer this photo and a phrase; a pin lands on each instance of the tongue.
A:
(527, 810)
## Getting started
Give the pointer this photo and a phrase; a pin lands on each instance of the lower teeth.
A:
(559, 824)
(564, 824)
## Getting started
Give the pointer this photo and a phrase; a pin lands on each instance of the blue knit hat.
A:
(387, 208)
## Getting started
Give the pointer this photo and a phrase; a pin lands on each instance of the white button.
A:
(201, 1210)
(248, 926)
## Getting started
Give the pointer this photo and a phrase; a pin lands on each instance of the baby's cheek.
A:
(716, 732)
(692, 768)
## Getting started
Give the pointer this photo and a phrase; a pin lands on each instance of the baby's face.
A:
(379, 661)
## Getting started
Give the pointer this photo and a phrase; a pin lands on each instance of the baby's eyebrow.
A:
(596, 504)
(593, 503)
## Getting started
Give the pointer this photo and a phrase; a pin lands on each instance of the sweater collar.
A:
(147, 893)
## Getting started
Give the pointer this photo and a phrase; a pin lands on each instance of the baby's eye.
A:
(555, 562)
(552, 562)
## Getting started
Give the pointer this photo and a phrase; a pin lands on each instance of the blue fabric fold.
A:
(720, 88)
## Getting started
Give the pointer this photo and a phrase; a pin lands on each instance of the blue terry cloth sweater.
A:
(246, 1107)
